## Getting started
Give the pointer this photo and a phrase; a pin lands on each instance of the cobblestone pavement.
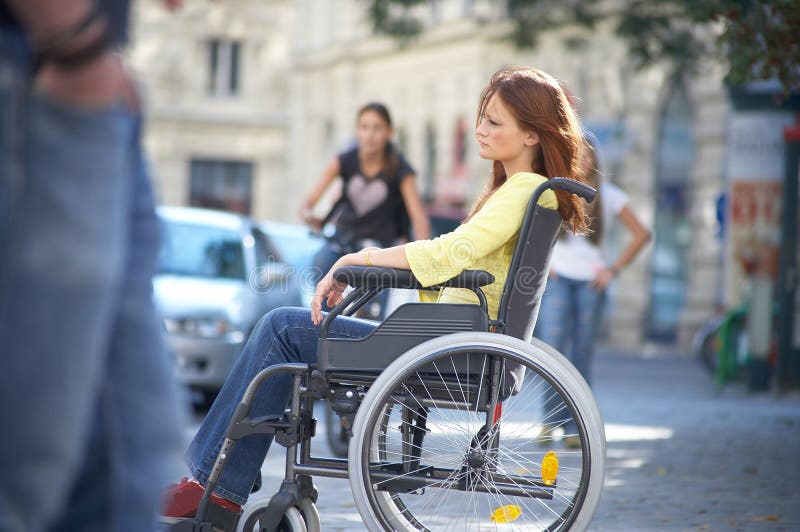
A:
(681, 456)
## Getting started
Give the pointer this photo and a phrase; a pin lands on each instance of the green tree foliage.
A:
(756, 39)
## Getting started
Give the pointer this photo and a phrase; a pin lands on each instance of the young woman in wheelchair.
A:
(528, 129)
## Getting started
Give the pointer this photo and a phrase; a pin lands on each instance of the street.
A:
(681, 456)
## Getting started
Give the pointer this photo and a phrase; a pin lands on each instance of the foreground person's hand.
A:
(94, 85)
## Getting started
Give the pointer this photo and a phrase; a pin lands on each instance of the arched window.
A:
(672, 228)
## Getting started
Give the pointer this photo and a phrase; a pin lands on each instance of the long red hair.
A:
(539, 103)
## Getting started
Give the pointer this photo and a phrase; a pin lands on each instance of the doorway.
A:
(672, 227)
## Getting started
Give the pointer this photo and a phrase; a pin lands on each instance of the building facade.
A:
(216, 83)
(250, 99)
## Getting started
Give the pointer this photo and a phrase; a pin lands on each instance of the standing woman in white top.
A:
(579, 274)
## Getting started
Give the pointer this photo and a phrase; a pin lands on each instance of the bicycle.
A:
(722, 344)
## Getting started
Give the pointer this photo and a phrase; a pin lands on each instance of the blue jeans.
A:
(568, 321)
(282, 335)
(88, 407)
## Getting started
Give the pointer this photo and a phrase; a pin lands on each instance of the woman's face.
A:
(499, 135)
(372, 133)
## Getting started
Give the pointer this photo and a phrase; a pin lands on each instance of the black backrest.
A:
(527, 274)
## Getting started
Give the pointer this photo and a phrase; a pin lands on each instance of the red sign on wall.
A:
(756, 202)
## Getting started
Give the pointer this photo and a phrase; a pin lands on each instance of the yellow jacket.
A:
(485, 242)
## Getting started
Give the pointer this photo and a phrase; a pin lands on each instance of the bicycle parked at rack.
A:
(722, 344)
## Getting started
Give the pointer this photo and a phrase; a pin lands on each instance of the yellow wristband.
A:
(369, 263)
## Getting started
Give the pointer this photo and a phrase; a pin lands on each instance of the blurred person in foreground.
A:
(572, 304)
(529, 131)
(88, 407)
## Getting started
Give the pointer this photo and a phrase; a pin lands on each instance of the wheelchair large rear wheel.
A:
(432, 450)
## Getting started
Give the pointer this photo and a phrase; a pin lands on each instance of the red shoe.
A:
(182, 500)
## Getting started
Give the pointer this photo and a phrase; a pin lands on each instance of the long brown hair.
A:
(595, 209)
(540, 104)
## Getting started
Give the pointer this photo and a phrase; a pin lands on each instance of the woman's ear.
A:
(532, 139)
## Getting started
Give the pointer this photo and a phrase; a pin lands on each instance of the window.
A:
(672, 228)
(468, 7)
(224, 67)
(436, 14)
(329, 135)
(402, 139)
(201, 251)
(265, 249)
(223, 185)
(430, 162)
(460, 142)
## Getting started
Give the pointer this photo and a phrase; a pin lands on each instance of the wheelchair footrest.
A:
(260, 425)
(287, 428)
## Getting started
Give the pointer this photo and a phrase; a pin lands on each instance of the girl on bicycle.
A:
(529, 131)
(379, 193)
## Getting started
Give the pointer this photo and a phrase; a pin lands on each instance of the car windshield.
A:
(201, 251)
(298, 250)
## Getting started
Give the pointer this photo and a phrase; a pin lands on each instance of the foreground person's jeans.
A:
(285, 335)
(88, 407)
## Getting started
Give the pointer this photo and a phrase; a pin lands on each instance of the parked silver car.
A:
(297, 245)
(218, 274)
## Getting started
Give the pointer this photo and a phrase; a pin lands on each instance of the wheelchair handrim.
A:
(401, 371)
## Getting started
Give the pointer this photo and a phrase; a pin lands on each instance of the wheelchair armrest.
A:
(374, 277)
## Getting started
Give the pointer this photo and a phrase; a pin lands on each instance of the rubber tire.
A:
(306, 519)
(537, 354)
(292, 521)
(311, 515)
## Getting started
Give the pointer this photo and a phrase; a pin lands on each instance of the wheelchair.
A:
(444, 407)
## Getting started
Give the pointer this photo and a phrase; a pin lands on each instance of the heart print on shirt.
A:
(366, 194)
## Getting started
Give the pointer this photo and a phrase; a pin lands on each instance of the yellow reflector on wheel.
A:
(506, 514)
(549, 468)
